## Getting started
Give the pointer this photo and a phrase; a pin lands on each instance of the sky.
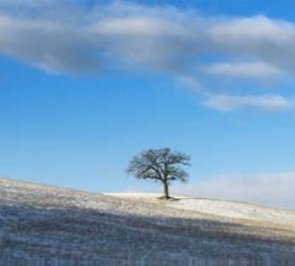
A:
(85, 85)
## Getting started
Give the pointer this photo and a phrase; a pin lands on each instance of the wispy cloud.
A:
(272, 189)
(227, 103)
(163, 39)
(245, 70)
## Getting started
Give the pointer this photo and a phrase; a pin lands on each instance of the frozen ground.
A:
(221, 208)
(46, 225)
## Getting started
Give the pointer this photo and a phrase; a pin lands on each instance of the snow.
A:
(237, 210)
(220, 208)
(47, 225)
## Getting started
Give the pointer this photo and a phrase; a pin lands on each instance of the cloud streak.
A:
(165, 40)
(226, 103)
(245, 70)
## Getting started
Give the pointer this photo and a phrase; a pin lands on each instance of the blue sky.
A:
(85, 85)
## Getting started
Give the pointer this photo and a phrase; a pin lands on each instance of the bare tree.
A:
(162, 165)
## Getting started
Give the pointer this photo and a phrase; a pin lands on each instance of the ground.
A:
(47, 225)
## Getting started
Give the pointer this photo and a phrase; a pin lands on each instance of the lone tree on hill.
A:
(162, 165)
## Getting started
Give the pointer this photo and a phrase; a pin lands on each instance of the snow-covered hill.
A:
(46, 225)
(220, 208)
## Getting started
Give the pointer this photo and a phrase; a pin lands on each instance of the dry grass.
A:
(46, 224)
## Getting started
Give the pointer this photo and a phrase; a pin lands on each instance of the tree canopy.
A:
(162, 165)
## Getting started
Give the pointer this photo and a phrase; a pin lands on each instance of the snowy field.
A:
(220, 208)
(47, 225)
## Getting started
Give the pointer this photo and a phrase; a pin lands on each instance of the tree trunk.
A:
(166, 190)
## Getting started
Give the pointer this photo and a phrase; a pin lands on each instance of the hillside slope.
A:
(219, 208)
(46, 225)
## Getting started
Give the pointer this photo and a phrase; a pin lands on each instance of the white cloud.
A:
(258, 37)
(51, 46)
(252, 31)
(272, 189)
(162, 39)
(265, 102)
(245, 70)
